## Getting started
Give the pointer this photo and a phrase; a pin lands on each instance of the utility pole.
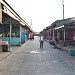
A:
(63, 7)
(63, 19)
(31, 23)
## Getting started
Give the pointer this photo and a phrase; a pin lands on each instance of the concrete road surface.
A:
(29, 59)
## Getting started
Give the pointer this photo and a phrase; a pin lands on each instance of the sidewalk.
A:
(3, 55)
(70, 49)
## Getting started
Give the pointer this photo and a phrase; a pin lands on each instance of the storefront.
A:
(13, 31)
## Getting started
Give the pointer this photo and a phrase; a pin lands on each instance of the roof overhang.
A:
(59, 27)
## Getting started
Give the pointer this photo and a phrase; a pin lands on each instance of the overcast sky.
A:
(42, 12)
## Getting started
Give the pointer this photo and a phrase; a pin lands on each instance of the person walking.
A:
(41, 41)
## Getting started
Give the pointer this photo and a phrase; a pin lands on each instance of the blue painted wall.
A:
(14, 40)
(23, 37)
(26, 38)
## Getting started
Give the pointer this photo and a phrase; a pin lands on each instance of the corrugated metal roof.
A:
(64, 22)
(15, 14)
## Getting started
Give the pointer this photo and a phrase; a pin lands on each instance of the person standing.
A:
(41, 41)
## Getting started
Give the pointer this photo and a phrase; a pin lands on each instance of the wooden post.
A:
(53, 34)
(50, 33)
(64, 36)
(0, 13)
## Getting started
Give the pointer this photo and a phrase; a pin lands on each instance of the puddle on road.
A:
(56, 61)
(34, 51)
(44, 52)
(37, 51)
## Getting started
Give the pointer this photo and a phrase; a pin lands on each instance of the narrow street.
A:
(29, 59)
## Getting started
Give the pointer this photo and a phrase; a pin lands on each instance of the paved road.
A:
(29, 59)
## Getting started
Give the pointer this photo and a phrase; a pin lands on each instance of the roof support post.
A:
(50, 33)
(64, 36)
(10, 48)
(53, 34)
(0, 13)
(20, 35)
